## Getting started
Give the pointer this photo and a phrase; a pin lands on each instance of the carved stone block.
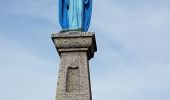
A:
(75, 50)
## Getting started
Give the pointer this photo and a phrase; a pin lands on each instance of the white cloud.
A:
(28, 9)
(23, 74)
(133, 82)
(142, 31)
(134, 56)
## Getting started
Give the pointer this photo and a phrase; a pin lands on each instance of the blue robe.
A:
(75, 14)
(64, 16)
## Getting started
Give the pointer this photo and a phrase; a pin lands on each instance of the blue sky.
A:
(132, 62)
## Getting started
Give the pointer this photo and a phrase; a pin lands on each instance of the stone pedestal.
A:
(75, 50)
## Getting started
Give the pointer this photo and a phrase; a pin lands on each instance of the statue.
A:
(75, 14)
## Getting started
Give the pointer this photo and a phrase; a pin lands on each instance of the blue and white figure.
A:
(75, 14)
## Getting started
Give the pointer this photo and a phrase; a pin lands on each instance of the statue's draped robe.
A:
(75, 14)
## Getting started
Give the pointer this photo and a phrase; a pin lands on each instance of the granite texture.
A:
(75, 50)
(75, 41)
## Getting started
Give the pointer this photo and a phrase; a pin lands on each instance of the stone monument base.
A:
(75, 50)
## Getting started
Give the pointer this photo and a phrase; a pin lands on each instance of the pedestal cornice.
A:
(75, 41)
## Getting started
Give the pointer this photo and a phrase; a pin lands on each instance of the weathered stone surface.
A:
(75, 50)
(75, 41)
